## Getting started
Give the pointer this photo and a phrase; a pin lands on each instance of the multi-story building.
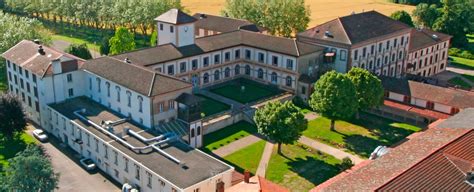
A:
(377, 43)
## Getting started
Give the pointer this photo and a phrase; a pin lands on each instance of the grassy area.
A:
(90, 45)
(459, 82)
(462, 63)
(468, 77)
(359, 136)
(247, 158)
(9, 148)
(253, 91)
(301, 168)
(210, 106)
(228, 134)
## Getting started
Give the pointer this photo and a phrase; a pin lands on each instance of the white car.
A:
(40, 135)
(88, 164)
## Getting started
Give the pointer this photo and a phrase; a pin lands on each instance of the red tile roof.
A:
(390, 169)
(267, 186)
(417, 110)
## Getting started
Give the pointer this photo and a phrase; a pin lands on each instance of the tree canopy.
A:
(426, 15)
(79, 50)
(29, 170)
(122, 41)
(368, 87)
(334, 97)
(457, 19)
(105, 46)
(402, 16)
(280, 17)
(12, 118)
(280, 122)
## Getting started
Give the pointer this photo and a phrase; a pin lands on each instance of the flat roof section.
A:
(198, 166)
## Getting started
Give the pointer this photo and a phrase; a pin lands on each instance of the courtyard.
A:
(211, 106)
(245, 91)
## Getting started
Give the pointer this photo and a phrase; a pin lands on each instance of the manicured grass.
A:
(460, 82)
(462, 63)
(9, 148)
(468, 77)
(359, 136)
(210, 106)
(253, 91)
(72, 40)
(227, 135)
(301, 168)
(247, 158)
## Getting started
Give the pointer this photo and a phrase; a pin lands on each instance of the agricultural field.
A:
(321, 10)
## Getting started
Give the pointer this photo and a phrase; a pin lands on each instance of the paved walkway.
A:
(338, 153)
(266, 155)
(460, 71)
(236, 145)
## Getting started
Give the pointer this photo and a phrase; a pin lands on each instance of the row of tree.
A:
(416, 2)
(337, 96)
(137, 15)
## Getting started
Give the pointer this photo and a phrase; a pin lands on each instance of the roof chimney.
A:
(202, 16)
(41, 50)
(127, 60)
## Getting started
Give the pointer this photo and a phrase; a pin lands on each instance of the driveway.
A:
(72, 176)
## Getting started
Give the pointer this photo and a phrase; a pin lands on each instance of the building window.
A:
(196, 190)
(129, 99)
(275, 60)
(227, 56)
(115, 157)
(125, 164)
(27, 74)
(161, 27)
(117, 88)
(98, 85)
(206, 78)
(216, 75)
(217, 59)
(400, 55)
(372, 49)
(205, 61)
(140, 104)
(170, 69)
(248, 54)
(303, 90)
(261, 57)
(387, 45)
(364, 52)
(343, 55)
(106, 152)
(274, 78)
(289, 81)
(395, 42)
(107, 85)
(70, 92)
(386, 60)
(8, 63)
(149, 180)
(34, 78)
(170, 104)
(9, 76)
(14, 67)
(182, 67)
(227, 72)
(401, 41)
(247, 70)
(194, 64)
(237, 54)
(96, 145)
(260, 73)
(356, 54)
(171, 29)
(69, 77)
(137, 172)
(37, 108)
(23, 96)
(29, 101)
(160, 106)
(28, 87)
(90, 83)
(393, 57)
(116, 173)
(21, 83)
(289, 64)
(237, 70)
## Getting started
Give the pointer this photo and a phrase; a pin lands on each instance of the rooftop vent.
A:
(328, 34)
(434, 36)
(127, 60)
(41, 50)
(202, 16)
(470, 177)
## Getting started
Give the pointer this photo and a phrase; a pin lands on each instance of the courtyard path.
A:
(266, 155)
(236, 145)
(338, 153)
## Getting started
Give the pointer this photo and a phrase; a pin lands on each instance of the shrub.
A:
(346, 164)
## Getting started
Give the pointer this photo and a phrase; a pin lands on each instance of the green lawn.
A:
(460, 82)
(227, 135)
(210, 106)
(72, 40)
(462, 63)
(301, 168)
(253, 91)
(468, 77)
(247, 158)
(9, 149)
(359, 136)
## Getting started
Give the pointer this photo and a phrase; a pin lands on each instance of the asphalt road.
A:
(72, 176)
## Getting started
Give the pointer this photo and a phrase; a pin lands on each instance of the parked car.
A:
(88, 164)
(40, 135)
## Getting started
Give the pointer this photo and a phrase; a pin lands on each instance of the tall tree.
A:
(426, 15)
(105, 46)
(334, 97)
(79, 50)
(368, 87)
(122, 41)
(281, 17)
(29, 170)
(280, 122)
(12, 118)
(457, 19)
(403, 17)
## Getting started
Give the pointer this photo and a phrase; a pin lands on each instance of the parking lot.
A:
(72, 176)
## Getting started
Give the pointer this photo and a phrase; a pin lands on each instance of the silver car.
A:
(40, 135)
(88, 164)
